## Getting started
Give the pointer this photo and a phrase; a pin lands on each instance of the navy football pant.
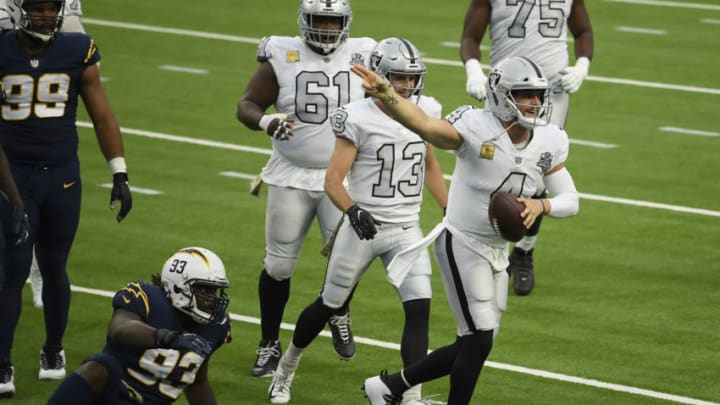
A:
(52, 197)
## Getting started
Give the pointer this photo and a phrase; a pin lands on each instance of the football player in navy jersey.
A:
(160, 338)
(44, 71)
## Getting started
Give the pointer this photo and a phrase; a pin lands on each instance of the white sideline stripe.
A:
(263, 151)
(637, 30)
(493, 364)
(592, 144)
(183, 69)
(183, 139)
(233, 38)
(669, 4)
(689, 131)
(710, 21)
(134, 189)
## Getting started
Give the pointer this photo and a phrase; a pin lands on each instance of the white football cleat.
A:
(377, 392)
(52, 364)
(279, 391)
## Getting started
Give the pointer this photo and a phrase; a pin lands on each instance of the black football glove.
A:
(20, 226)
(362, 222)
(175, 339)
(121, 192)
(280, 129)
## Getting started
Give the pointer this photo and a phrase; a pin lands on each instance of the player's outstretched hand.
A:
(373, 84)
(175, 339)
(362, 222)
(121, 192)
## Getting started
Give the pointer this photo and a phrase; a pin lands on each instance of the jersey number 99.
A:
(45, 98)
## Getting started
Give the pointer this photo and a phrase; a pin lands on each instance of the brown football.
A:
(504, 212)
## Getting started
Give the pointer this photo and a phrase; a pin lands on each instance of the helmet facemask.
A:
(17, 10)
(194, 280)
(514, 75)
(315, 13)
(397, 56)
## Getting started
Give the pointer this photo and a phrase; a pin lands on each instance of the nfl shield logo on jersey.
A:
(34, 63)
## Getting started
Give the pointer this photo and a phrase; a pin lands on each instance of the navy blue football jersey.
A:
(161, 375)
(37, 120)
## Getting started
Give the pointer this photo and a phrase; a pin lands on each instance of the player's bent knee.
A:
(335, 298)
(95, 375)
(279, 268)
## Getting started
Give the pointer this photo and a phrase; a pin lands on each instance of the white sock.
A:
(413, 393)
(527, 243)
(292, 355)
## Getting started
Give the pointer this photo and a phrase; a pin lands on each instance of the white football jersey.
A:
(4, 17)
(73, 7)
(311, 86)
(389, 170)
(487, 162)
(534, 29)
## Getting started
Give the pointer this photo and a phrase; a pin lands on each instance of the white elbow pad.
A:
(565, 201)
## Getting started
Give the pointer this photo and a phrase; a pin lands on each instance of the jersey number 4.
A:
(45, 98)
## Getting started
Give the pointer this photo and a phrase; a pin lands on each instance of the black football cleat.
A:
(342, 336)
(268, 356)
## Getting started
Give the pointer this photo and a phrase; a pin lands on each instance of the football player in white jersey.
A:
(537, 30)
(73, 12)
(71, 21)
(507, 147)
(304, 78)
(385, 166)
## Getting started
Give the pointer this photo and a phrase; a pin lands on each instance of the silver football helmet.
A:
(517, 73)
(323, 40)
(194, 280)
(399, 56)
(20, 18)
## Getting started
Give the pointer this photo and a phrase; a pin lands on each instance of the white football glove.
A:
(476, 80)
(573, 76)
(276, 125)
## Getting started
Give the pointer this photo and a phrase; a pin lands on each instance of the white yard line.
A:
(637, 30)
(687, 131)
(264, 151)
(234, 38)
(678, 4)
(183, 69)
(492, 364)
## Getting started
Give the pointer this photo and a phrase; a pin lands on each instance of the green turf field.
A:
(626, 309)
